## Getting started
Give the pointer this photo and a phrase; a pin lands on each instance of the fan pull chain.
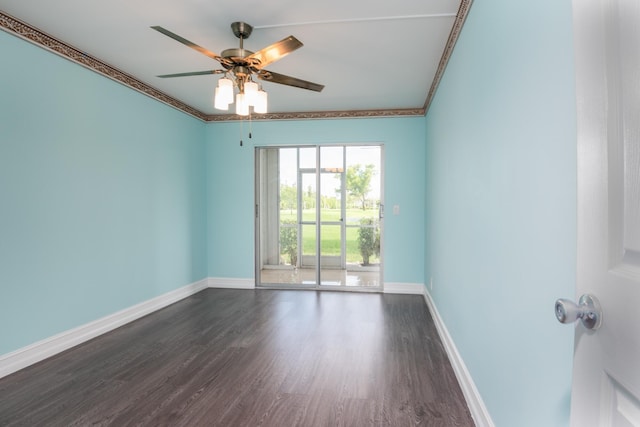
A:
(250, 128)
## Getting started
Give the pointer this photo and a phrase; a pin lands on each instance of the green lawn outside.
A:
(330, 234)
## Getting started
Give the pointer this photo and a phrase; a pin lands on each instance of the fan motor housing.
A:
(236, 54)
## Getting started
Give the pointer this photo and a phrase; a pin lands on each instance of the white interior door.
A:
(606, 376)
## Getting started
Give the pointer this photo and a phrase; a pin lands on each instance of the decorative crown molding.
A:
(461, 16)
(27, 32)
(310, 115)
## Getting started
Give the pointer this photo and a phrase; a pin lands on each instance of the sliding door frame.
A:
(259, 261)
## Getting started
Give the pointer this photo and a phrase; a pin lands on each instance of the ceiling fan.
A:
(240, 65)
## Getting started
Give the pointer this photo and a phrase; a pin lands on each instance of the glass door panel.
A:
(331, 215)
(287, 211)
(318, 216)
(331, 255)
(364, 209)
(307, 213)
(331, 198)
(277, 252)
(308, 238)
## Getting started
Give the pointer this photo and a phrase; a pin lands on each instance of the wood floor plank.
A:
(227, 357)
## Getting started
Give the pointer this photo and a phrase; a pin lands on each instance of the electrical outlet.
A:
(431, 283)
(396, 209)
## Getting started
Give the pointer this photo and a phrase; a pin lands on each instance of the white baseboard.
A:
(235, 283)
(404, 288)
(477, 408)
(231, 283)
(23, 357)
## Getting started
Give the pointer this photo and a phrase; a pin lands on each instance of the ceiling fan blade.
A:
(192, 73)
(270, 76)
(272, 53)
(187, 43)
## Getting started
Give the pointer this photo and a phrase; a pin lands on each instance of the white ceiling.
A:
(369, 55)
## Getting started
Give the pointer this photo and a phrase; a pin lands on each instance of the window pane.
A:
(308, 245)
(330, 240)
(330, 207)
(288, 184)
(331, 159)
(308, 158)
(289, 243)
(363, 243)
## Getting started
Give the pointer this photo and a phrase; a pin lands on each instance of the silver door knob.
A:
(587, 310)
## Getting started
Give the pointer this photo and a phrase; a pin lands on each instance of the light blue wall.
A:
(502, 205)
(231, 187)
(105, 195)
(102, 196)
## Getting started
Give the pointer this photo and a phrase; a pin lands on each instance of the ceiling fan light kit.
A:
(223, 94)
(240, 66)
(260, 106)
(242, 106)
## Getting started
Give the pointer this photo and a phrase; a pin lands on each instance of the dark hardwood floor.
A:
(251, 358)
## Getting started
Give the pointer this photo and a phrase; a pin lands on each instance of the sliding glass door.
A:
(318, 216)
